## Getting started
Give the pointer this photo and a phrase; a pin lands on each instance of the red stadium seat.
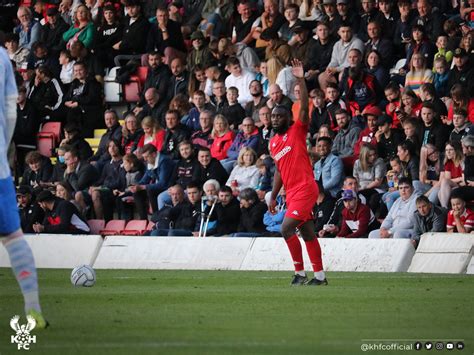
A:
(150, 226)
(113, 227)
(53, 128)
(46, 144)
(135, 227)
(131, 90)
(142, 73)
(96, 225)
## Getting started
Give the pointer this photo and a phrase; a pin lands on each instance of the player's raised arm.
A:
(298, 72)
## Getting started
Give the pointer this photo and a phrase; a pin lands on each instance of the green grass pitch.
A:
(226, 312)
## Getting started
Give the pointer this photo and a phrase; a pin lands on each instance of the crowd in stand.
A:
(391, 132)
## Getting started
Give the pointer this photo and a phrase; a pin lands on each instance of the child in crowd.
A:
(393, 96)
(213, 74)
(262, 76)
(264, 180)
(67, 65)
(393, 173)
(234, 112)
(460, 218)
(441, 76)
(443, 52)
(319, 115)
(334, 103)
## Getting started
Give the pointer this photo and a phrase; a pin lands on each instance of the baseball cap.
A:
(371, 110)
(383, 119)
(23, 190)
(460, 52)
(197, 35)
(348, 195)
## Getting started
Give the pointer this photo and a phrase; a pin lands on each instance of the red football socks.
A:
(314, 252)
(296, 252)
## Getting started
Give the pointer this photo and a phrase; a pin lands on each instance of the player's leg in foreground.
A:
(288, 231)
(21, 257)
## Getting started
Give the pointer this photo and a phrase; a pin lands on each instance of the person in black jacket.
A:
(61, 216)
(39, 170)
(73, 139)
(52, 31)
(228, 212)
(176, 132)
(47, 95)
(432, 129)
(30, 211)
(178, 83)
(209, 168)
(135, 32)
(108, 34)
(158, 77)
(252, 211)
(84, 101)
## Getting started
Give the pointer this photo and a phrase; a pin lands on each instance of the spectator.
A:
(63, 190)
(222, 138)
(277, 98)
(245, 174)
(197, 81)
(328, 170)
(304, 45)
(176, 132)
(441, 77)
(166, 37)
(346, 137)
(227, 211)
(373, 63)
(461, 126)
(411, 127)
(320, 54)
(429, 18)
(203, 136)
(135, 31)
(179, 80)
(113, 131)
(369, 14)
(73, 139)
(427, 218)
(252, 212)
(453, 175)
(215, 15)
(247, 137)
(18, 55)
(419, 43)
(218, 99)
(52, 32)
(29, 29)
(334, 103)
(432, 130)
(131, 133)
(153, 133)
(61, 216)
(323, 211)
(383, 47)
(431, 166)
(419, 73)
(367, 136)
(158, 77)
(460, 218)
(410, 162)
(94, 66)
(109, 33)
(311, 11)
(67, 69)
(84, 101)
(393, 96)
(357, 218)
(30, 212)
(274, 221)
(102, 191)
(265, 128)
(82, 30)
(461, 99)
(240, 79)
(161, 218)
(47, 95)
(154, 107)
(462, 72)
(38, 171)
(58, 168)
(252, 108)
(199, 101)
(264, 184)
(233, 110)
(209, 168)
(428, 94)
(200, 53)
(155, 180)
(242, 30)
(399, 222)
(269, 22)
(280, 74)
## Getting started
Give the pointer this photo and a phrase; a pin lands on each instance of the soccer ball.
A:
(83, 275)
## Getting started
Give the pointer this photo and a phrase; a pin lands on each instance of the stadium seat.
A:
(54, 128)
(135, 227)
(96, 225)
(98, 133)
(46, 145)
(112, 89)
(131, 90)
(113, 227)
(400, 64)
(142, 73)
(150, 226)
(93, 142)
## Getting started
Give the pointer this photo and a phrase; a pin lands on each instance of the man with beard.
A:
(252, 108)
(178, 82)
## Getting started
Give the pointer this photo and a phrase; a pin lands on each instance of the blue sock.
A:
(23, 266)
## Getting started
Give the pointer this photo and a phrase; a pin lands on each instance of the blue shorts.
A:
(9, 215)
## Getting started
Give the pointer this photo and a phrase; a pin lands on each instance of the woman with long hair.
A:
(410, 105)
(281, 74)
(311, 10)
(453, 175)
(197, 81)
(460, 99)
(82, 28)
(153, 133)
(373, 63)
(245, 173)
(131, 133)
(419, 73)
(181, 104)
(431, 166)
(223, 137)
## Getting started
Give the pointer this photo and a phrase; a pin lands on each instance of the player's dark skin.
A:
(280, 119)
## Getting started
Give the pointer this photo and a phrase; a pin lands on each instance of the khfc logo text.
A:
(22, 338)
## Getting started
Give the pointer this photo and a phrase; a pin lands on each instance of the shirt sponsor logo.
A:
(282, 153)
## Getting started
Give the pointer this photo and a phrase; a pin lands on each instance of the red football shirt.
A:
(467, 219)
(292, 160)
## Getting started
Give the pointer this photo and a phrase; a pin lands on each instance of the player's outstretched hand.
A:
(297, 68)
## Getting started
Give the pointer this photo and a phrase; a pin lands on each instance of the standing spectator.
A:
(460, 218)
(427, 218)
(357, 218)
(29, 29)
(227, 211)
(328, 170)
(399, 222)
(222, 138)
(82, 30)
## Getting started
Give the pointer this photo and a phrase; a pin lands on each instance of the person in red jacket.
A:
(367, 136)
(357, 219)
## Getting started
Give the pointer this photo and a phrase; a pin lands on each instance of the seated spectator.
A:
(270, 21)
(280, 74)
(462, 72)
(334, 103)
(252, 108)
(410, 106)
(109, 33)
(233, 110)
(18, 55)
(165, 36)
(427, 218)
(131, 133)
(453, 175)
(383, 47)
(441, 77)
(28, 30)
(223, 137)
(387, 138)
(58, 168)
(461, 126)
(113, 131)
(30, 212)
(428, 95)
(203, 137)
(346, 137)
(61, 216)
(324, 212)
(218, 98)
(73, 139)
(101, 192)
(181, 104)
(357, 218)
(328, 170)
(274, 221)
(179, 80)
(63, 190)
(264, 184)
(200, 53)
(461, 100)
(209, 168)
(197, 82)
(367, 135)
(419, 73)
(277, 98)
(245, 174)
(227, 212)
(155, 180)
(247, 137)
(176, 132)
(418, 43)
(82, 30)
(411, 128)
(460, 218)
(240, 79)
(130, 176)
(252, 212)
(393, 96)
(161, 218)
(154, 106)
(375, 67)
(153, 133)
(84, 101)
(431, 166)
(399, 222)
(80, 54)
(38, 170)
(200, 105)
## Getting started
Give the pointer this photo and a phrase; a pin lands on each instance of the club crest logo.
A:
(23, 339)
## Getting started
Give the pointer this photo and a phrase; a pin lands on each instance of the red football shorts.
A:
(301, 207)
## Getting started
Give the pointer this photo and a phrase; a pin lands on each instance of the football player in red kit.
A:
(294, 172)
